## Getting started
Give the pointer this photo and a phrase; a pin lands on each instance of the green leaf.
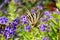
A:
(55, 15)
(58, 5)
(53, 21)
(11, 11)
(54, 31)
(50, 35)
(1, 14)
(58, 16)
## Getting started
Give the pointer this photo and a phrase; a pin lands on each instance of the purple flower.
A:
(45, 38)
(7, 28)
(27, 28)
(6, 34)
(47, 13)
(12, 32)
(24, 19)
(44, 19)
(39, 7)
(3, 20)
(24, 22)
(33, 11)
(49, 16)
(15, 22)
(9, 31)
(42, 27)
(56, 12)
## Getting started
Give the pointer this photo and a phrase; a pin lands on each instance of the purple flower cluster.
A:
(3, 21)
(24, 19)
(10, 30)
(47, 14)
(44, 28)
